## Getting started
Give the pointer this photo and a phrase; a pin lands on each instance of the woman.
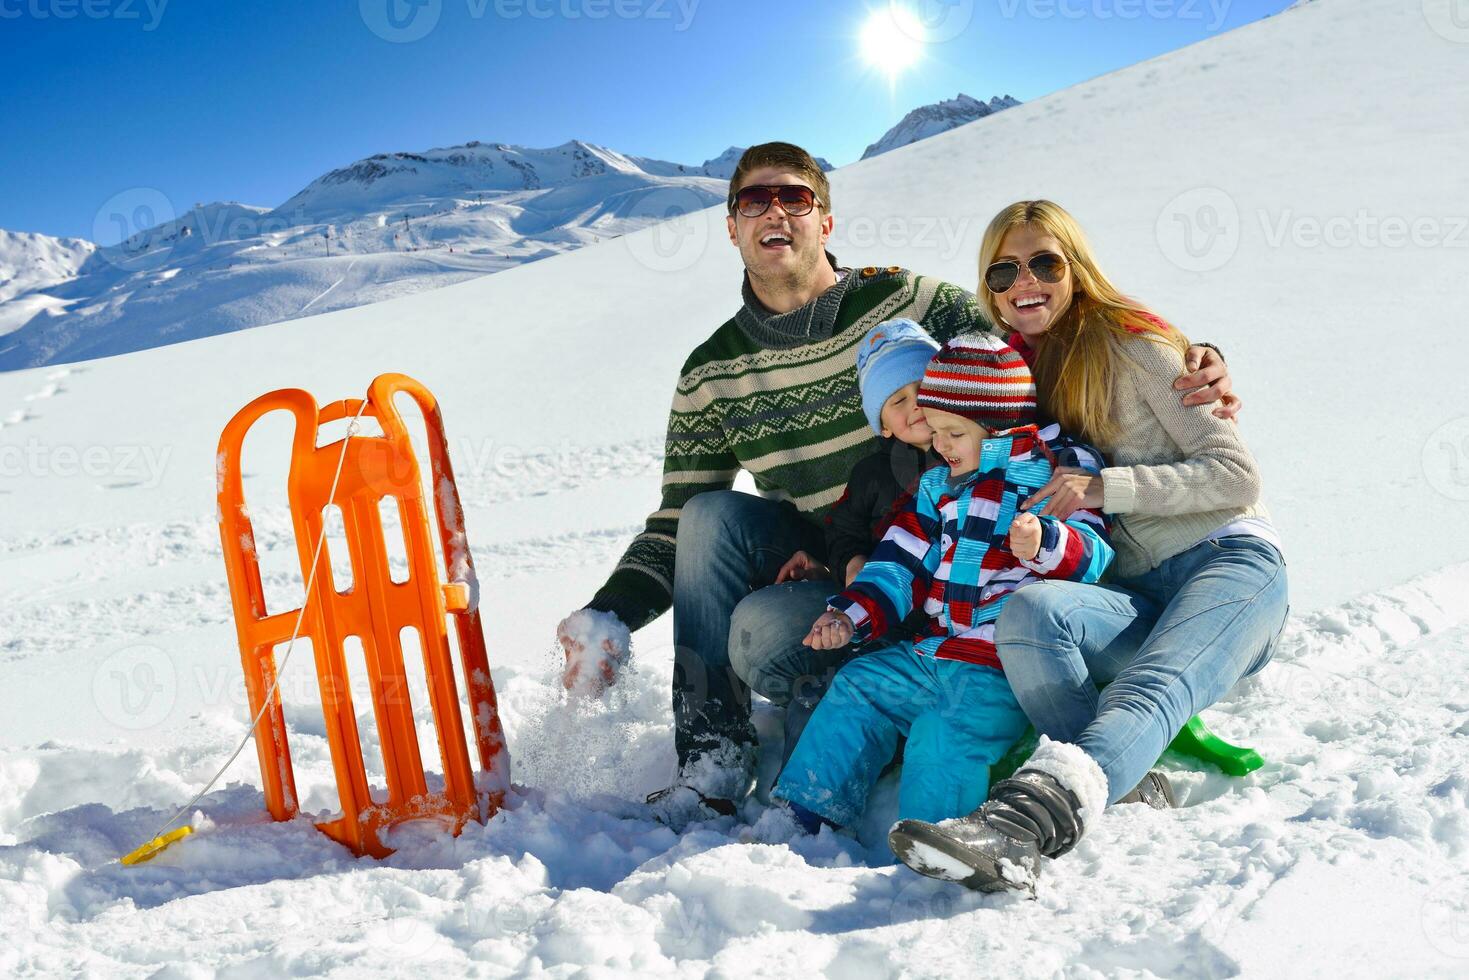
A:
(1199, 596)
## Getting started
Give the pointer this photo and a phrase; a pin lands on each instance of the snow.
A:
(1347, 854)
(1076, 771)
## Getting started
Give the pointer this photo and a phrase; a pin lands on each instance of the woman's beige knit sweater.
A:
(1178, 473)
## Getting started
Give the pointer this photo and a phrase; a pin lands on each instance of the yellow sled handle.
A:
(151, 849)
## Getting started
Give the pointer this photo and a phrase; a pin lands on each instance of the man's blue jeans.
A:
(728, 618)
(1166, 644)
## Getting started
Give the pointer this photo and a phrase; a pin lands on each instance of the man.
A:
(772, 391)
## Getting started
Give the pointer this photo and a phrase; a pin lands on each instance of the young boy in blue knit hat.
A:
(957, 551)
(890, 363)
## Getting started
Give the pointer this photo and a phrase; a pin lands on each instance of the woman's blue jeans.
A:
(1166, 645)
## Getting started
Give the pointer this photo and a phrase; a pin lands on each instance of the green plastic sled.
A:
(1195, 741)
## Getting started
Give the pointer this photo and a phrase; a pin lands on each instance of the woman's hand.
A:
(1070, 489)
(1207, 380)
(801, 567)
(1025, 536)
(830, 631)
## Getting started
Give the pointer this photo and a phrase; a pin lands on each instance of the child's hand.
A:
(832, 630)
(801, 567)
(1025, 536)
(854, 565)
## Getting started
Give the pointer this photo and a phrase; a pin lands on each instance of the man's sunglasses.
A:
(1047, 267)
(795, 199)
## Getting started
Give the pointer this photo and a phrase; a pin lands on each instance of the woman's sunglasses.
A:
(795, 199)
(1047, 267)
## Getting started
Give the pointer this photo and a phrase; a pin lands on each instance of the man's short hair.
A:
(785, 156)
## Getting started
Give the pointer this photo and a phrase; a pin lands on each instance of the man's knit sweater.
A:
(777, 395)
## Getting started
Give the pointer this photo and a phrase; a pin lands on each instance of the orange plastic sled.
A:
(374, 609)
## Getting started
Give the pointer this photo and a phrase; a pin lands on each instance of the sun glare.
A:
(891, 40)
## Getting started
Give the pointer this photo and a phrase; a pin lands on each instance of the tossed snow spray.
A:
(584, 728)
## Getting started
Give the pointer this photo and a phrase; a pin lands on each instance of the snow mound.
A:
(1363, 722)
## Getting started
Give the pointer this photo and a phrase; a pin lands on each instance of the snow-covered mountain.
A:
(29, 265)
(389, 225)
(1346, 855)
(939, 117)
(723, 165)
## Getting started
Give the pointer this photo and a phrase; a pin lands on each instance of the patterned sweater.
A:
(776, 395)
(949, 551)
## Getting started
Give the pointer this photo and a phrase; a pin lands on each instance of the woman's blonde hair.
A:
(1075, 359)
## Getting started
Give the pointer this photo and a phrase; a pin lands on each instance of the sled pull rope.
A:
(161, 840)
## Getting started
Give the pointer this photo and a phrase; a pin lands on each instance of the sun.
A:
(891, 39)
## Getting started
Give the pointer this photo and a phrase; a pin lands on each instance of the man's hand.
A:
(855, 564)
(830, 631)
(1070, 489)
(1025, 536)
(596, 644)
(1206, 379)
(801, 567)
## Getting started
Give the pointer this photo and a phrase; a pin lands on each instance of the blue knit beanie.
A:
(893, 354)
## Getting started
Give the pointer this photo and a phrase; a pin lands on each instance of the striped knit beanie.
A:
(983, 379)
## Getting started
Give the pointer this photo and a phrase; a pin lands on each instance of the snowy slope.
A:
(939, 117)
(1348, 854)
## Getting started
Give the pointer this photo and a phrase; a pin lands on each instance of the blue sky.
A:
(230, 100)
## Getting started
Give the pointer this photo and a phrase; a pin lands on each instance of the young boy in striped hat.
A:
(958, 550)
